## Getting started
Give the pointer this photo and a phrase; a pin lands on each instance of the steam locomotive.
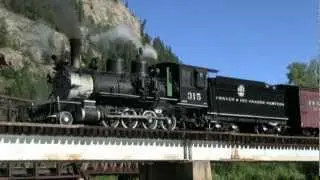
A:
(165, 95)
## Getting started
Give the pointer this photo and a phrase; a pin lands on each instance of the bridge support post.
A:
(197, 170)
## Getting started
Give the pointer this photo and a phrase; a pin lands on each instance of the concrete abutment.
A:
(196, 170)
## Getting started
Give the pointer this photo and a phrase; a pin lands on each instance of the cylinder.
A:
(115, 66)
(90, 115)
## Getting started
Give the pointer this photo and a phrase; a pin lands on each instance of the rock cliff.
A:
(32, 30)
(30, 34)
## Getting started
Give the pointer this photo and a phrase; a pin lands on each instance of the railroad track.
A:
(16, 128)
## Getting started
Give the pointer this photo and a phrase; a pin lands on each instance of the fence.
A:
(13, 109)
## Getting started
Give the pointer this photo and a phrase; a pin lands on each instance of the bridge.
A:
(148, 152)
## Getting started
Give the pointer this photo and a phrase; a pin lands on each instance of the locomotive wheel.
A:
(127, 122)
(169, 124)
(113, 123)
(151, 122)
(260, 129)
(306, 132)
(65, 118)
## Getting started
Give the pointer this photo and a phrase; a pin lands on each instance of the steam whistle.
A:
(140, 51)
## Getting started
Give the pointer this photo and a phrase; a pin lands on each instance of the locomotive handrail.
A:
(10, 107)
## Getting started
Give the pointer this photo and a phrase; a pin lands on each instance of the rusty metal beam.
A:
(61, 169)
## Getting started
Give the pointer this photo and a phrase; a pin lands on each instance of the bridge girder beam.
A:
(196, 170)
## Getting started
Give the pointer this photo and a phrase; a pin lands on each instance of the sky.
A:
(247, 39)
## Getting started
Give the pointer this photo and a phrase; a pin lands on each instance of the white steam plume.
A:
(125, 34)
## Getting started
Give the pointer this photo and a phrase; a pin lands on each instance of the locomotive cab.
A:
(193, 83)
(185, 83)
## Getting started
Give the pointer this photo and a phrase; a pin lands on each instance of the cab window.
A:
(201, 77)
(187, 78)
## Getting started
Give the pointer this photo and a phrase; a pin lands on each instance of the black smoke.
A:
(66, 18)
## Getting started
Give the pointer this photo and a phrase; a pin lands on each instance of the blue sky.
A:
(241, 38)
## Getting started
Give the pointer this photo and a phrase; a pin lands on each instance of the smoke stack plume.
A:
(66, 17)
(124, 34)
(75, 48)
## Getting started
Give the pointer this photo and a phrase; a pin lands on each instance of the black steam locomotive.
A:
(165, 95)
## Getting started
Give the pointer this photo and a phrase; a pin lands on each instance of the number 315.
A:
(194, 96)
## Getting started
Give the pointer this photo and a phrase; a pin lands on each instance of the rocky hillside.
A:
(33, 30)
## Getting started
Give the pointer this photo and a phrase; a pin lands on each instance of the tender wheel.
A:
(65, 118)
(151, 122)
(276, 130)
(113, 123)
(128, 122)
(169, 124)
(306, 132)
(256, 129)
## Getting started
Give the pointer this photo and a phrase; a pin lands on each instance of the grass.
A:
(257, 171)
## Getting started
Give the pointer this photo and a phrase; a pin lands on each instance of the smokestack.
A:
(75, 48)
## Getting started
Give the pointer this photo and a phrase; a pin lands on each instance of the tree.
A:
(304, 74)
(164, 52)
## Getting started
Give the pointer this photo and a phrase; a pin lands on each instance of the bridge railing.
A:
(13, 109)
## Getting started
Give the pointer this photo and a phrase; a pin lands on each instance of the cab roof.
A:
(191, 66)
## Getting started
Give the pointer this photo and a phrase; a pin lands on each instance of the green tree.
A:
(304, 74)
(25, 84)
(164, 52)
